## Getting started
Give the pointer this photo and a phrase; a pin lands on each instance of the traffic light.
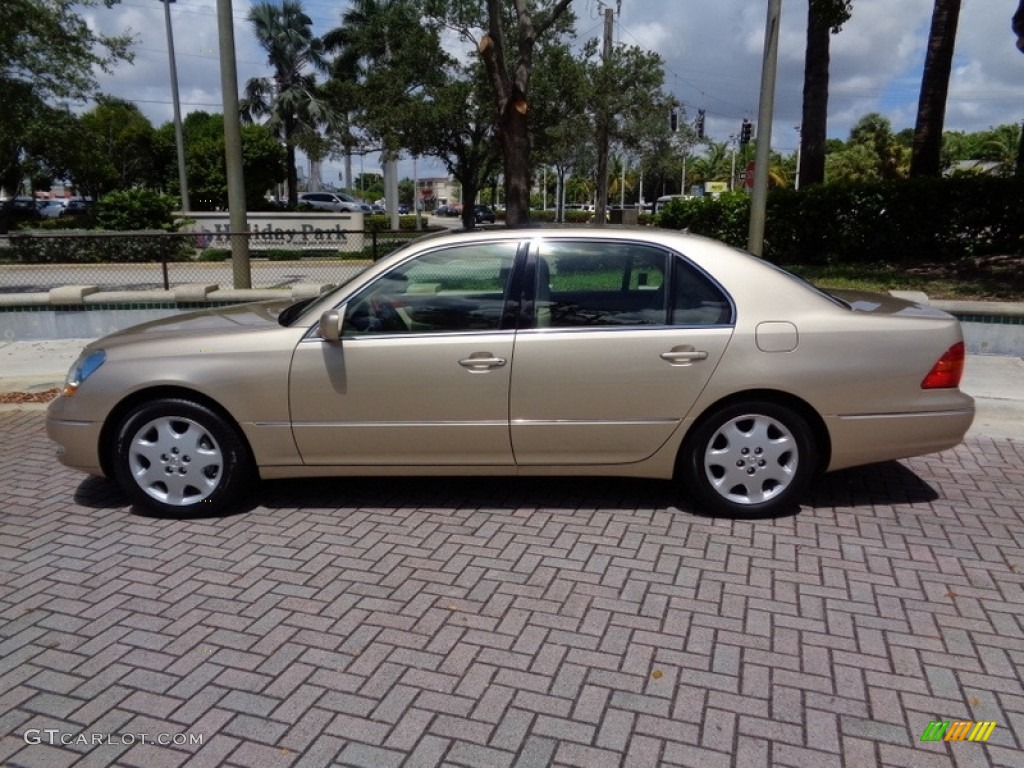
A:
(745, 130)
(700, 123)
(673, 120)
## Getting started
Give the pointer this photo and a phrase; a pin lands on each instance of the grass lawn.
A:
(993, 278)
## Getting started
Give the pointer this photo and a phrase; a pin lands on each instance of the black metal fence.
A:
(134, 261)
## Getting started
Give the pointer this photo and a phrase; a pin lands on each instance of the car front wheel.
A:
(176, 456)
(749, 459)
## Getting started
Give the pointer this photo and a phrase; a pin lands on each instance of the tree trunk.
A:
(1019, 171)
(931, 108)
(515, 144)
(1017, 23)
(469, 194)
(814, 122)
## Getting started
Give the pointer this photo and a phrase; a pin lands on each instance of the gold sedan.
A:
(634, 352)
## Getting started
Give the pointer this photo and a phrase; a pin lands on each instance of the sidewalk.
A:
(996, 382)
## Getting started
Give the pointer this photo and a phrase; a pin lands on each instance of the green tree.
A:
(561, 92)
(289, 99)
(855, 163)
(874, 132)
(626, 93)
(263, 161)
(453, 123)
(386, 52)
(48, 51)
(118, 139)
(931, 108)
(824, 19)
(507, 48)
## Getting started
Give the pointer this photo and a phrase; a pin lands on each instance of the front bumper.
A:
(77, 440)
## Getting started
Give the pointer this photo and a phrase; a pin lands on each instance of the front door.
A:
(421, 374)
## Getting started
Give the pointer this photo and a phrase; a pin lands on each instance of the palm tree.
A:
(289, 99)
(824, 19)
(715, 166)
(380, 50)
(1017, 24)
(931, 108)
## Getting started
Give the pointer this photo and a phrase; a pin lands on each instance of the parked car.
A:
(483, 214)
(76, 206)
(648, 353)
(448, 209)
(334, 201)
(403, 209)
(50, 209)
(22, 208)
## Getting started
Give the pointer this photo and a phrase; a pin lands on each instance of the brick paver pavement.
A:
(512, 623)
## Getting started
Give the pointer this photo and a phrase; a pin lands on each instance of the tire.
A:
(178, 457)
(751, 459)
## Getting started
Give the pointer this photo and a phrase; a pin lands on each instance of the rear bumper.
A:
(870, 438)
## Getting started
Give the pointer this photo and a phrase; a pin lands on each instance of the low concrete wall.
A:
(76, 311)
(82, 311)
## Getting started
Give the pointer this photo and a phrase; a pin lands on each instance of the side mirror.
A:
(330, 325)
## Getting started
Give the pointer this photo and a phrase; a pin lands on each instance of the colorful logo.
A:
(958, 730)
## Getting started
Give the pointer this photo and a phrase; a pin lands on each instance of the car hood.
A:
(238, 318)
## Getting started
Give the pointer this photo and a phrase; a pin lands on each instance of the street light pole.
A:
(732, 173)
(799, 144)
(240, 266)
(179, 138)
(759, 196)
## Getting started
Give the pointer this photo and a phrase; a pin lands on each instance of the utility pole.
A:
(759, 196)
(601, 207)
(179, 138)
(799, 143)
(240, 268)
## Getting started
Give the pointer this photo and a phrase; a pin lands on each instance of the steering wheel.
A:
(389, 317)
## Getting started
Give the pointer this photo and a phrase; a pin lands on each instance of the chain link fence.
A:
(139, 261)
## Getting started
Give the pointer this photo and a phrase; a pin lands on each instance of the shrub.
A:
(897, 222)
(131, 210)
(92, 248)
(215, 254)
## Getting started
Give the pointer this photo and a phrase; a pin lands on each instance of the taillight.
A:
(946, 373)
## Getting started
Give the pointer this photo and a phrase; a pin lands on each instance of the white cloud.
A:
(712, 52)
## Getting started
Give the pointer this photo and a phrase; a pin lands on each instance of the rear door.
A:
(626, 336)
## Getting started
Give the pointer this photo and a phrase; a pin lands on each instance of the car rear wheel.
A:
(749, 459)
(176, 456)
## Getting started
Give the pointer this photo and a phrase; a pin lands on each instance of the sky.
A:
(712, 52)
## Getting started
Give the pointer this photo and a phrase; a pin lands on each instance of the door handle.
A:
(684, 355)
(479, 362)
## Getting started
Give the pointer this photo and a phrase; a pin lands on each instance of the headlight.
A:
(83, 368)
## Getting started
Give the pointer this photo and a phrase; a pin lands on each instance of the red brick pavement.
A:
(512, 623)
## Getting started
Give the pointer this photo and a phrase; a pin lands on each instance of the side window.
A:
(697, 300)
(457, 289)
(600, 284)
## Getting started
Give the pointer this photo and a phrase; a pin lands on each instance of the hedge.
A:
(94, 248)
(900, 222)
